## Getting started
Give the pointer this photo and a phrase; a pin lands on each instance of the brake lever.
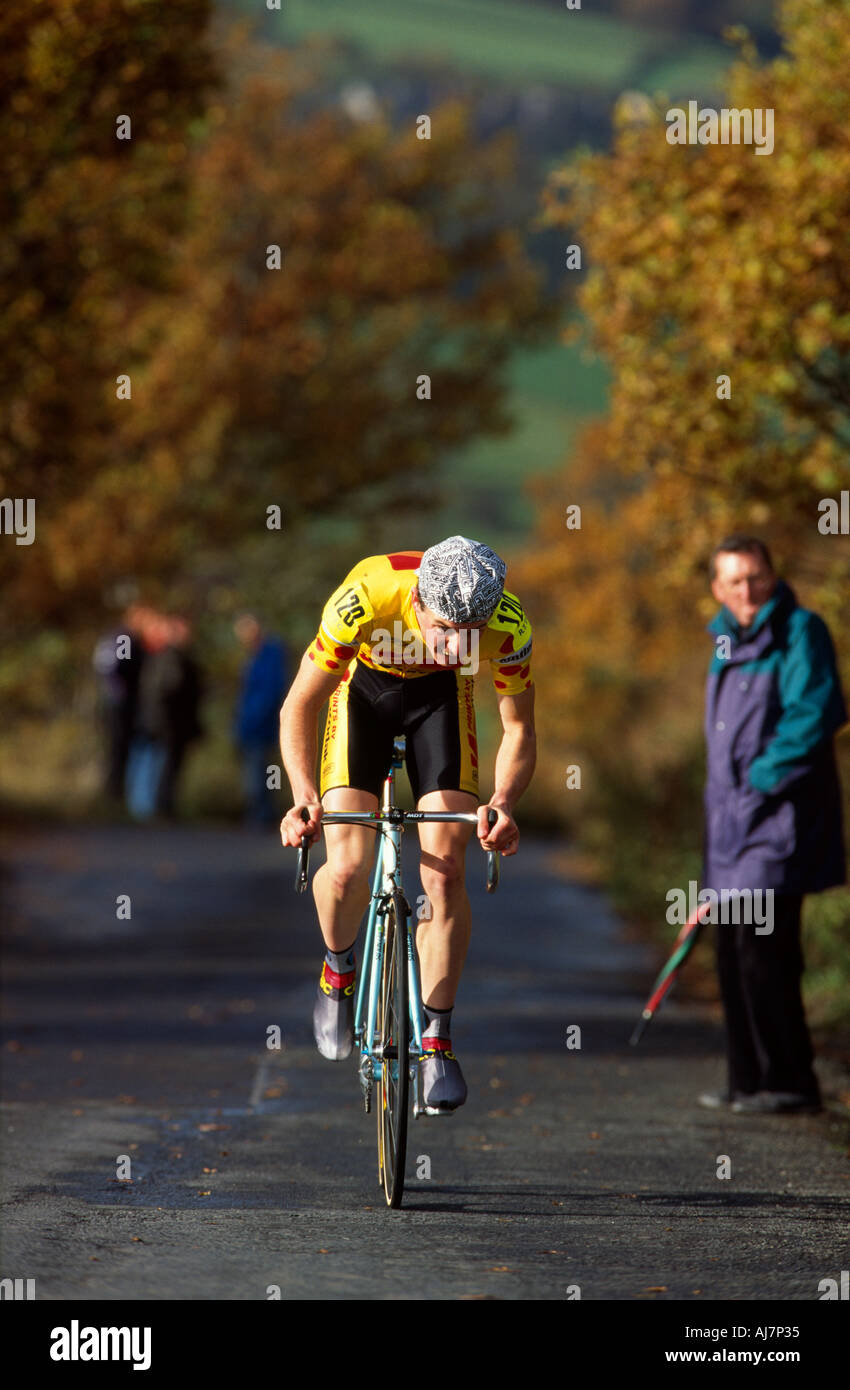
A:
(492, 855)
(302, 867)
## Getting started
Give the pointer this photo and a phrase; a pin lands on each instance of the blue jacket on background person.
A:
(772, 797)
(264, 684)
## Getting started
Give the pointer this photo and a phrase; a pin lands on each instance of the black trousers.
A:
(768, 1044)
(175, 752)
(117, 725)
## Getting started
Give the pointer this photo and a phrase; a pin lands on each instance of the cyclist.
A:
(395, 653)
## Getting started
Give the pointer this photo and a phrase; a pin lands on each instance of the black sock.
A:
(438, 1022)
(341, 961)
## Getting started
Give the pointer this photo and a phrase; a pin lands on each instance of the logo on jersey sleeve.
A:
(522, 655)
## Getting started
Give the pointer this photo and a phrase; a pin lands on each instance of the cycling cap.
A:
(461, 580)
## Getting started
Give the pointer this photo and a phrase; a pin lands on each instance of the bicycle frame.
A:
(386, 878)
(389, 823)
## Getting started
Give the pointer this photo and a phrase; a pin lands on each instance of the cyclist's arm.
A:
(347, 614)
(517, 753)
(299, 736)
(515, 762)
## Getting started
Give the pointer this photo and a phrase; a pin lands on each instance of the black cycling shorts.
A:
(436, 714)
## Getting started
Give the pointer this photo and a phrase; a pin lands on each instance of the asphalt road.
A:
(250, 1169)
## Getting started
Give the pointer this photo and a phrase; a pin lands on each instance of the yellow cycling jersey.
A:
(371, 618)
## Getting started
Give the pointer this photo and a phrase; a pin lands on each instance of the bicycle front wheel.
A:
(393, 1028)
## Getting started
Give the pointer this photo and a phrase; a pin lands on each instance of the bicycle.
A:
(388, 1010)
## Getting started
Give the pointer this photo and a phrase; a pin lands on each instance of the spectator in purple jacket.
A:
(257, 723)
(772, 817)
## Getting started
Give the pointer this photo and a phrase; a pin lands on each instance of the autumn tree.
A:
(325, 270)
(98, 97)
(718, 290)
(711, 262)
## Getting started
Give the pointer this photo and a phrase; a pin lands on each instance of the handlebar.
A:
(395, 817)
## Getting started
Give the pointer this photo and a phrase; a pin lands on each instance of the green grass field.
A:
(513, 43)
(553, 392)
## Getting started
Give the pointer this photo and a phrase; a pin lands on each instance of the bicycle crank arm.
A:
(366, 1082)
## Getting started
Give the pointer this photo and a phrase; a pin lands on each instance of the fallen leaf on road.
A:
(205, 1129)
(204, 1194)
(499, 1269)
(656, 1288)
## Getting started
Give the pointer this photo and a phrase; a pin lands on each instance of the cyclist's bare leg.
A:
(341, 887)
(443, 941)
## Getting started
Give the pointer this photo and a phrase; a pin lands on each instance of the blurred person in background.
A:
(118, 663)
(147, 755)
(167, 715)
(772, 817)
(265, 680)
(179, 689)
